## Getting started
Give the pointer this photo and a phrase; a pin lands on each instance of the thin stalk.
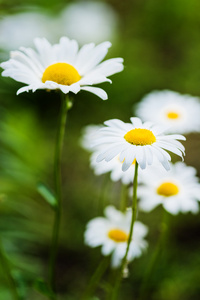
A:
(134, 212)
(6, 268)
(96, 278)
(156, 253)
(102, 199)
(57, 179)
(124, 197)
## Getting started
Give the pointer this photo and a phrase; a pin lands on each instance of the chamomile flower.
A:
(62, 66)
(144, 142)
(177, 190)
(27, 25)
(112, 233)
(179, 112)
(97, 21)
(114, 166)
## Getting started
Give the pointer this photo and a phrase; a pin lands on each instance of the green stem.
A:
(96, 278)
(124, 197)
(134, 212)
(104, 188)
(6, 267)
(57, 178)
(156, 253)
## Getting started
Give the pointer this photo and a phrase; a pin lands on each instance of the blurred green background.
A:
(160, 44)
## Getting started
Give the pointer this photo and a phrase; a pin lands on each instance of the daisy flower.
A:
(180, 113)
(112, 232)
(97, 21)
(177, 190)
(114, 166)
(28, 24)
(137, 140)
(62, 66)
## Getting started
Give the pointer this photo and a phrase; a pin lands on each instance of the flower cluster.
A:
(117, 147)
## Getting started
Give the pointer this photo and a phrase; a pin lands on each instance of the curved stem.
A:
(134, 212)
(157, 251)
(6, 267)
(57, 178)
(96, 278)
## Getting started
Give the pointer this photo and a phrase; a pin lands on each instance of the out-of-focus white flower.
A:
(112, 232)
(21, 28)
(180, 113)
(89, 132)
(88, 21)
(62, 66)
(85, 21)
(113, 166)
(144, 142)
(178, 190)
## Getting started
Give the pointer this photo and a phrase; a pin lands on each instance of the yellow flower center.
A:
(118, 235)
(140, 137)
(61, 73)
(167, 189)
(172, 115)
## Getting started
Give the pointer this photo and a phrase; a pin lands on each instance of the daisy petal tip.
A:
(125, 167)
(105, 97)
(142, 166)
(108, 44)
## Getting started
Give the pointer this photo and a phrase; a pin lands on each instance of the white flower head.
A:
(97, 21)
(180, 113)
(144, 142)
(177, 190)
(112, 232)
(21, 28)
(62, 66)
(113, 166)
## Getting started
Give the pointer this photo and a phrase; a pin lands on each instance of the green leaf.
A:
(43, 288)
(44, 191)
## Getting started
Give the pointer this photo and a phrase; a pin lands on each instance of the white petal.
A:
(97, 91)
(108, 247)
(98, 53)
(136, 122)
(149, 204)
(140, 157)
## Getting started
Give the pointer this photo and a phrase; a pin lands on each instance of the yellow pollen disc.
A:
(140, 137)
(118, 235)
(167, 189)
(61, 73)
(173, 115)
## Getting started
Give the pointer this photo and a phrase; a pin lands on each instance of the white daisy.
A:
(97, 21)
(62, 66)
(179, 112)
(137, 141)
(112, 232)
(114, 166)
(177, 190)
(27, 25)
